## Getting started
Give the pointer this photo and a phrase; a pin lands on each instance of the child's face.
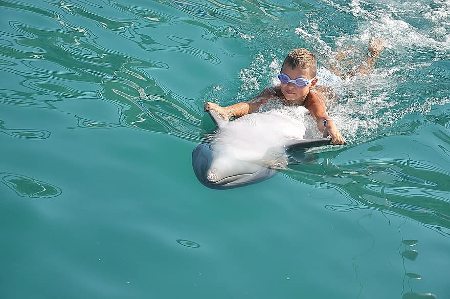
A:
(291, 91)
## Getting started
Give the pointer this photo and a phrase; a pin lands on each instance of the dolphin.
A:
(249, 149)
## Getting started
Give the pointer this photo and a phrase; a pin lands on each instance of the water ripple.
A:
(415, 189)
(208, 11)
(184, 46)
(150, 107)
(188, 243)
(68, 61)
(24, 133)
(29, 187)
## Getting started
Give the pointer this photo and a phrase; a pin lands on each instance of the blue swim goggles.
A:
(299, 82)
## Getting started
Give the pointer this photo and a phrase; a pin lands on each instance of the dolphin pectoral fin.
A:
(307, 143)
(297, 151)
(219, 121)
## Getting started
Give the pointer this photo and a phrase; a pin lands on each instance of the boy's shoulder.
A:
(314, 98)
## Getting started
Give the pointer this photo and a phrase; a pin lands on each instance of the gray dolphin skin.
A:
(246, 150)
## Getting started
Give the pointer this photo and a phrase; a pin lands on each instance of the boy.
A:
(298, 79)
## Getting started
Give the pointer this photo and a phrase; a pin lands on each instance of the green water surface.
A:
(101, 105)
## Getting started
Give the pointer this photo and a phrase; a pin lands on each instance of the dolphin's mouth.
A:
(228, 180)
(213, 180)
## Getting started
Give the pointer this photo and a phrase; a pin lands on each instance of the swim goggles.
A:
(299, 82)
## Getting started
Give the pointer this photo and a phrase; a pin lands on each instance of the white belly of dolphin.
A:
(257, 137)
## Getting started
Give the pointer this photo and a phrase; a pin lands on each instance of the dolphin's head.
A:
(224, 172)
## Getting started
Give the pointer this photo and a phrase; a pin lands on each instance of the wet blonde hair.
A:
(303, 59)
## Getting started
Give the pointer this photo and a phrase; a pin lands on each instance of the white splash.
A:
(369, 103)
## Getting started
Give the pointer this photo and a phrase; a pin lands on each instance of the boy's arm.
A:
(241, 108)
(325, 124)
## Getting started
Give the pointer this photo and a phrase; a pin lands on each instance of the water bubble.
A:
(410, 254)
(410, 242)
(188, 243)
(414, 276)
(412, 295)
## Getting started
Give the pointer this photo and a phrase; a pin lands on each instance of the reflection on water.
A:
(414, 189)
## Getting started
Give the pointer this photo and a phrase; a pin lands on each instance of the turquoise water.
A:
(101, 107)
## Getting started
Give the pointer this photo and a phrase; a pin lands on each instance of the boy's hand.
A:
(337, 138)
(329, 129)
(218, 109)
